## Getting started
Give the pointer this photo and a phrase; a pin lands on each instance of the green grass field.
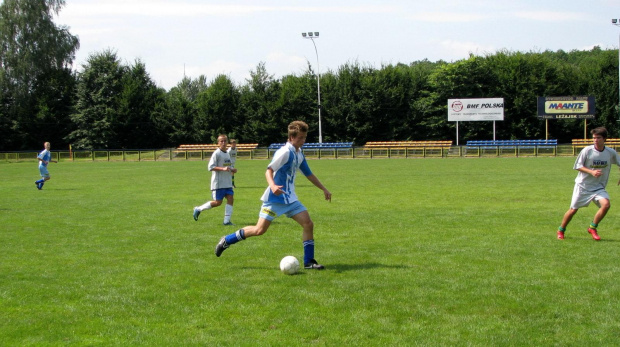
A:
(429, 252)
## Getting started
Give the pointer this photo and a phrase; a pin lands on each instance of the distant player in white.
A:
(594, 164)
(222, 170)
(232, 152)
(280, 198)
(45, 157)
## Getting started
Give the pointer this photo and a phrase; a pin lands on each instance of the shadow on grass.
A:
(361, 267)
(340, 267)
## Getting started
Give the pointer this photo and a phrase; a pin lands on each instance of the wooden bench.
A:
(213, 147)
(579, 143)
(408, 144)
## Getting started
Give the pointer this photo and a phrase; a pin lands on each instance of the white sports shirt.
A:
(220, 179)
(590, 158)
(232, 152)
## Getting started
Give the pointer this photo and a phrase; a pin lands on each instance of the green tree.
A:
(141, 106)
(36, 81)
(99, 91)
(217, 110)
(182, 108)
(258, 107)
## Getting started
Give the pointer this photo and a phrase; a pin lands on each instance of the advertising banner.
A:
(465, 110)
(566, 107)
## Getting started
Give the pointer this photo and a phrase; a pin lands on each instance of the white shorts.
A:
(582, 198)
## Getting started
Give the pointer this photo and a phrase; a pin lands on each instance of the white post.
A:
(318, 78)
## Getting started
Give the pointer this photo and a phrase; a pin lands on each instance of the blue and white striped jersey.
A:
(285, 163)
(45, 157)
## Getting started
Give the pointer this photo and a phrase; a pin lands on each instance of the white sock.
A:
(228, 210)
(205, 206)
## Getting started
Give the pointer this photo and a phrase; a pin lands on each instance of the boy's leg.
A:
(206, 206)
(568, 216)
(252, 230)
(228, 209)
(603, 205)
(303, 218)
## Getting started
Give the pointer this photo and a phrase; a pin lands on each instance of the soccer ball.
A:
(289, 265)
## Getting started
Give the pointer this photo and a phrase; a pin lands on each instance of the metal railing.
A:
(311, 153)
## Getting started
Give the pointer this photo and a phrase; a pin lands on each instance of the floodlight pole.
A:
(616, 22)
(312, 36)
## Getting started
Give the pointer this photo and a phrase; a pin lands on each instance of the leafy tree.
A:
(258, 107)
(99, 91)
(182, 110)
(35, 59)
(217, 110)
(141, 105)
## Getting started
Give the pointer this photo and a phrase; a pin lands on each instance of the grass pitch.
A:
(417, 252)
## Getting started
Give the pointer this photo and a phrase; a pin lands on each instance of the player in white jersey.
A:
(594, 164)
(45, 157)
(280, 198)
(232, 152)
(222, 170)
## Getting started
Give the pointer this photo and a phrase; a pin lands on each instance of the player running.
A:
(280, 197)
(45, 157)
(594, 164)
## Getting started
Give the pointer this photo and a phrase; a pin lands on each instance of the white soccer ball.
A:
(289, 265)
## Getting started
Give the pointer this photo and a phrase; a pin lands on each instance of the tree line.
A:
(108, 104)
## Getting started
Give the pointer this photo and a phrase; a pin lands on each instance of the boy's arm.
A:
(595, 173)
(275, 189)
(315, 180)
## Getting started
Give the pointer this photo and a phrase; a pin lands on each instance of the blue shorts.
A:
(271, 210)
(220, 194)
(43, 171)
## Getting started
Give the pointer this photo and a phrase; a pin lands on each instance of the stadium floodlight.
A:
(315, 35)
(614, 21)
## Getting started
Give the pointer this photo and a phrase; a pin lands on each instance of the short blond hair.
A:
(297, 127)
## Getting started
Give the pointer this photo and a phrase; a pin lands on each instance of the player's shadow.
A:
(363, 266)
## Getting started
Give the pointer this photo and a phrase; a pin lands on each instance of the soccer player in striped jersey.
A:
(594, 164)
(280, 197)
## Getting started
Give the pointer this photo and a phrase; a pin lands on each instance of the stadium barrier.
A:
(579, 144)
(345, 150)
(516, 148)
(390, 149)
(321, 150)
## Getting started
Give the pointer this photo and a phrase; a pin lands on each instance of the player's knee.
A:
(216, 203)
(308, 225)
(260, 230)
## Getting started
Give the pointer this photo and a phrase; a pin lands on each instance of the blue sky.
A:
(203, 37)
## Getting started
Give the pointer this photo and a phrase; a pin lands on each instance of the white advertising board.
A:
(465, 110)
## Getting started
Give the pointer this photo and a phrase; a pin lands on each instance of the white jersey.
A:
(232, 152)
(591, 158)
(220, 179)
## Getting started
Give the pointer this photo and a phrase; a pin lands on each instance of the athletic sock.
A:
(228, 210)
(308, 251)
(593, 225)
(235, 237)
(561, 229)
(205, 206)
